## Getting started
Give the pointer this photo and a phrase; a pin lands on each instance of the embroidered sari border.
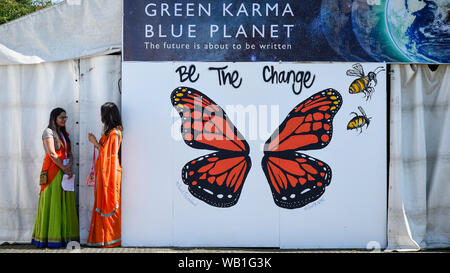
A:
(104, 244)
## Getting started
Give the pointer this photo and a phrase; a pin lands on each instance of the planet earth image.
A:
(336, 25)
(371, 31)
(398, 31)
(420, 29)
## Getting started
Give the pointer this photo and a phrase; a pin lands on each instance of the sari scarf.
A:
(105, 229)
(56, 221)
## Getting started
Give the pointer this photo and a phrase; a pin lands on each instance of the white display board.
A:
(159, 210)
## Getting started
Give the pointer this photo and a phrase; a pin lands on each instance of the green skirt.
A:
(56, 220)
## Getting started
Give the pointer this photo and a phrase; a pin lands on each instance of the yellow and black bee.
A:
(358, 121)
(364, 83)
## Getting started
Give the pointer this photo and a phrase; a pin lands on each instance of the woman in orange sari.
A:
(105, 228)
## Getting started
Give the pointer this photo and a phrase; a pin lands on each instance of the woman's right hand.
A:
(67, 169)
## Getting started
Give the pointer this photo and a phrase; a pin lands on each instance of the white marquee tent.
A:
(68, 55)
(61, 56)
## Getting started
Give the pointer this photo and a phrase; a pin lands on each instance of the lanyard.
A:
(65, 144)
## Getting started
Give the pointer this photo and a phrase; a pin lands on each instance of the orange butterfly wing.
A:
(309, 125)
(297, 179)
(217, 178)
(205, 124)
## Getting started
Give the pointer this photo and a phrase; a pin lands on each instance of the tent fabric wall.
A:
(419, 207)
(68, 30)
(99, 83)
(28, 94)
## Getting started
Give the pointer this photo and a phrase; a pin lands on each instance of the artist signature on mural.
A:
(185, 194)
(314, 204)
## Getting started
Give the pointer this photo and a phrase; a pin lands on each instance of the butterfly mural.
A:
(295, 179)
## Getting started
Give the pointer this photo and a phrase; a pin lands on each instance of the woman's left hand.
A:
(92, 139)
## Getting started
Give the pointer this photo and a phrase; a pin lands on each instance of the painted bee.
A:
(364, 83)
(358, 121)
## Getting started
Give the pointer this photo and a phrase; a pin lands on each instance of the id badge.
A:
(66, 162)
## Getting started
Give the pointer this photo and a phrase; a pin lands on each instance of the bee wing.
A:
(354, 73)
(362, 111)
(358, 67)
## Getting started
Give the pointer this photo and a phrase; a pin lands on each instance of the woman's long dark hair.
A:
(110, 117)
(54, 126)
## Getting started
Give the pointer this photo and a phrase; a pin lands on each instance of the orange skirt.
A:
(105, 222)
(105, 230)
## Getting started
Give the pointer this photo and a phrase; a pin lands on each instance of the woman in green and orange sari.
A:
(56, 220)
(105, 230)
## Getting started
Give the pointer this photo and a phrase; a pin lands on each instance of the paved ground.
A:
(28, 248)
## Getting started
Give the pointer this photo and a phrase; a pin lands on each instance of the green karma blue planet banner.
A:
(392, 31)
